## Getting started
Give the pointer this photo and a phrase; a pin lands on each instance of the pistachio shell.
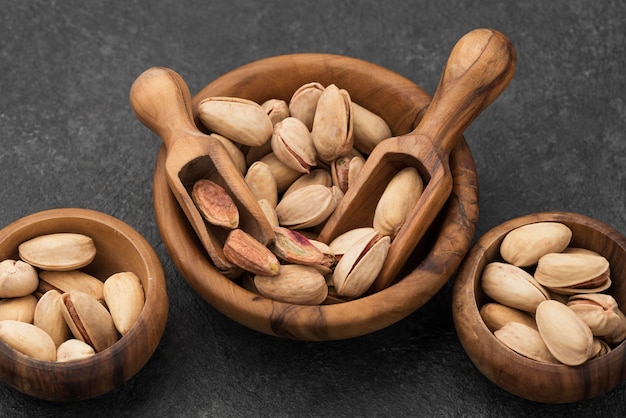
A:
(302, 285)
(292, 144)
(525, 245)
(496, 315)
(599, 311)
(66, 281)
(572, 270)
(308, 206)
(60, 251)
(262, 183)
(234, 151)
(526, 341)
(215, 204)
(397, 201)
(332, 129)
(17, 278)
(284, 175)
(369, 129)
(512, 286)
(269, 210)
(345, 169)
(276, 110)
(316, 176)
(20, 308)
(345, 241)
(257, 153)
(240, 120)
(74, 349)
(566, 335)
(303, 102)
(125, 297)
(28, 339)
(48, 316)
(88, 320)
(244, 251)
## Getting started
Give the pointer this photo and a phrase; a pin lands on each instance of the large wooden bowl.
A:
(118, 248)
(401, 103)
(517, 374)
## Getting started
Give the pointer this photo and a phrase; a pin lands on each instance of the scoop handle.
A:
(479, 68)
(160, 99)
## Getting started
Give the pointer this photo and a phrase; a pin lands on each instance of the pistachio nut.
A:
(17, 278)
(346, 168)
(292, 144)
(571, 273)
(283, 174)
(269, 210)
(294, 248)
(566, 335)
(316, 176)
(332, 129)
(308, 206)
(74, 349)
(397, 201)
(244, 251)
(358, 267)
(125, 297)
(276, 109)
(234, 152)
(28, 340)
(261, 182)
(302, 285)
(66, 281)
(240, 120)
(88, 320)
(215, 204)
(48, 316)
(525, 245)
(20, 308)
(59, 251)
(496, 315)
(512, 286)
(369, 129)
(599, 311)
(303, 102)
(525, 340)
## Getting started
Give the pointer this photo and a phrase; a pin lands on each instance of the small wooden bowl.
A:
(119, 248)
(515, 373)
(401, 103)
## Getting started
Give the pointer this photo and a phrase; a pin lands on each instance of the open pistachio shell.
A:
(66, 281)
(292, 144)
(599, 311)
(17, 278)
(346, 168)
(525, 245)
(28, 339)
(60, 251)
(316, 176)
(571, 271)
(303, 102)
(345, 241)
(276, 110)
(512, 286)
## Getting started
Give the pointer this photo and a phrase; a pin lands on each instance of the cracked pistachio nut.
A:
(572, 273)
(244, 251)
(359, 266)
(124, 295)
(74, 349)
(298, 284)
(283, 174)
(602, 314)
(345, 241)
(308, 206)
(496, 315)
(369, 129)
(332, 129)
(59, 251)
(525, 340)
(316, 176)
(240, 120)
(88, 320)
(215, 204)
(49, 317)
(28, 340)
(262, 183)
(17, 278)
(525, 245)
(566, 335)
(303, 102)
(276, 110)
(346, 168)
(512, 286)
(397, 201)
(292, 144)
(66, 281)
(294, 248)
(21, 308)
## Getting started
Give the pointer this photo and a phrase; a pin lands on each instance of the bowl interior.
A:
(118, 248)
(517, 374)
(401, 103)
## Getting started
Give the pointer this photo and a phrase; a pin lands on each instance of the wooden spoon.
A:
(160, 99)
(479, 68)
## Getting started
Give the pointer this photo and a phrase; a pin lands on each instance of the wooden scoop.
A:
(161, 101)
(479, 68)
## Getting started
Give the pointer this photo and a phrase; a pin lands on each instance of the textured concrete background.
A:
(555, 140)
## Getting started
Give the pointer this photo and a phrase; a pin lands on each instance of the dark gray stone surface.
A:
(555, 140)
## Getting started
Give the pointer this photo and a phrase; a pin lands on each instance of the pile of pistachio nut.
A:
(51, 310)
(547, 301)
(298, 159)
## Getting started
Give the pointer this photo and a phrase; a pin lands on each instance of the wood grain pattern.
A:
(401, 103)
(119, 248)
(521, 376)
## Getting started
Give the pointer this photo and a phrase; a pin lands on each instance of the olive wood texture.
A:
(530, 379)
(479, 68)
(161, 101)
(401, 103)
(119, 248)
